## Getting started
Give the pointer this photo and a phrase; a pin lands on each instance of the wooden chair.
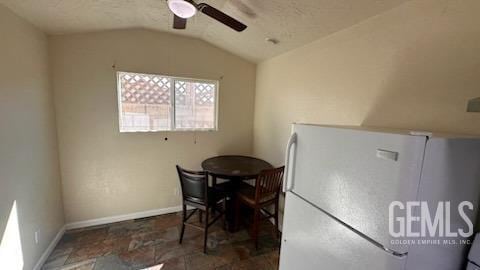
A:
(265, 193)
(197, 194)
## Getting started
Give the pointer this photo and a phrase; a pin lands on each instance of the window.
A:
(148, 102)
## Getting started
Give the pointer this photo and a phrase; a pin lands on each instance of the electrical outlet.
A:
(37, 236)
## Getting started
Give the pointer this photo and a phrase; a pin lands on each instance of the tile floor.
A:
(152, 244)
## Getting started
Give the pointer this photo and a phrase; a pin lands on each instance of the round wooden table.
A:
(235, 169)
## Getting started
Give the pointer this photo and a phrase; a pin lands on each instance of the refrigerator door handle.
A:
(375, 243)
(287, 186)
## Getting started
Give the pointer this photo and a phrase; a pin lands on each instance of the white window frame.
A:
(172, 103)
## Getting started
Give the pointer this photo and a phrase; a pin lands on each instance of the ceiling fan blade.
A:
(221, 17)
(179, 23)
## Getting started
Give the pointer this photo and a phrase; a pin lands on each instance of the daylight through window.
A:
(150, 102)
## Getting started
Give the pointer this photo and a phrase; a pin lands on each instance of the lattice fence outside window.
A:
(149, 102)
(204, 94)
(145, 89)
(181, 93)
(194, 105)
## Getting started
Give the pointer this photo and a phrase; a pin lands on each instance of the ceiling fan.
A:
(184, 9)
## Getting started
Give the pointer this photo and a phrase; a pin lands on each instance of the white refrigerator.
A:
(340, 182)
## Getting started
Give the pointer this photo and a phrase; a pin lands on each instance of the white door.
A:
(354, 175)
(311, 240)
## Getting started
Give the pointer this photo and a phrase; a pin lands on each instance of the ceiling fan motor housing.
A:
(182, 8)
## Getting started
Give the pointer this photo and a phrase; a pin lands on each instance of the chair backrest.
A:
(268, 183)
(194, 185)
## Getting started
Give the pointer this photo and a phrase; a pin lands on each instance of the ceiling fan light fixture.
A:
(182, 8)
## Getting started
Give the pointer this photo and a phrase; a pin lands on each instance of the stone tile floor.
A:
(152, 244)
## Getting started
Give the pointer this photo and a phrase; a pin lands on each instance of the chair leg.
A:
(237, 214)
(214, 183)
(183, 223)
(200, 214)
(256, 219)
(277, 226)
(224, 216)
(205, 236)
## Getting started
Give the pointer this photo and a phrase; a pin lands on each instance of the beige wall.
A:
(106, 173)
(29, 171)
(412, 67)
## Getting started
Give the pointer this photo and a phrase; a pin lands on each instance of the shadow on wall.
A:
(432, 82)
(11, 254)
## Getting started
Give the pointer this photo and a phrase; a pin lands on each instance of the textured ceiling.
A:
(292, 22)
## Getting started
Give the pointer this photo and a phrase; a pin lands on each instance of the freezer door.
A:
(451, 173)
(311, 240)
(355, 174)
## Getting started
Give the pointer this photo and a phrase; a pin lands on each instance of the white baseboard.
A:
(112, 219)
(49, 249)
(272, 220)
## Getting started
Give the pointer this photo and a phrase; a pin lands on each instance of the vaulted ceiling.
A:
(292, 22)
